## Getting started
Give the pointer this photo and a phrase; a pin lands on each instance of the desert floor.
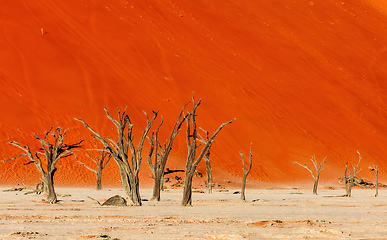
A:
(267, 214)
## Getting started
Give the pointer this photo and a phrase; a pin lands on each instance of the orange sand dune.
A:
(379, 4)
(301, 77)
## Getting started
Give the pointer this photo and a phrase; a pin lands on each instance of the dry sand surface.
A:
(267, 214)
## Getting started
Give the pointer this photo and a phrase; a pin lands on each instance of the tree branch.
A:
(307, 168)
(251, 158)
(137, 163)
(79, 162)
(21, 155)
(209, 142)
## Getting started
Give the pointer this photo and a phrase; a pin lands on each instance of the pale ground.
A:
(267, 214)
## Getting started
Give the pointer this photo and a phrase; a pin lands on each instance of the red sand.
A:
(301, 77)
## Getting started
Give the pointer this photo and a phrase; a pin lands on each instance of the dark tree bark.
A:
(187, 191)
(124, 153)
(52, 154)
(49, 188)
(101, 160)
(349, 182)
(99, 178)
(376, 181)
(208, 165)
(192, 160)
(245, 173)
(160, 160)
(376, 169)
(208, 171)
(156, 167)
(318, 167)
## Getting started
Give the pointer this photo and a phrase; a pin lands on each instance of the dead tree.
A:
(52, 152)
(376, 181)
(125, 154)
(151, 141)
(100, 160)
(208, 164)
(318, 167)
(245, 173)
(192, 160)
(349, 182)
(160, 160)
(376, 169)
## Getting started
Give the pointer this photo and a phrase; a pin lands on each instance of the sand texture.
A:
(267, 214)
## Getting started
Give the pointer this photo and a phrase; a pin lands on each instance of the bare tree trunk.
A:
(99, 178)
(157, 186)
(187, 191)
(243, 195)
(44, 187)
(159, 181)
(192, 161)
(316, 184)
(318, 167)
(52, 154)
(135, 190)
(189, 172)
(209, 174)
(49, 182)
(125, 183)
(130, 183)
(245, 173)
(347, 191)
(124, 153)
(208, 164)
(160, 160)
(350, 181)
(162, 182)
(100, 160)
(377, 182)
(155, 167)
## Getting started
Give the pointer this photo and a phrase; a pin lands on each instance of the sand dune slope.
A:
(301, 77)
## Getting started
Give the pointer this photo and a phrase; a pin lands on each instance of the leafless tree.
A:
(192, 160)
(152, 151)
(160, 159)
(318, 167)
(245, 173)
(101, 159)
(125, 154)
(52, 152)
(208, 163)
(376, 169)
(349, 182)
